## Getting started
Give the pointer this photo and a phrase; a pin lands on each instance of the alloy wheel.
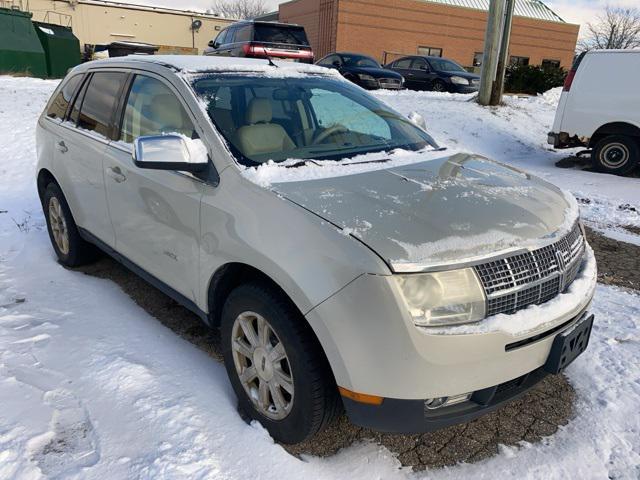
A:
(58, 226)
(262, 365)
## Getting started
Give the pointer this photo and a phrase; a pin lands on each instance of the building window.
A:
(477, 59)
(550, 64)
(518, 60)
(430, 51)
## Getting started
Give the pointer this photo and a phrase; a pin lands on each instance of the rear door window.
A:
(280, 34)
(402, 63)
(100, 100)
(58, 107)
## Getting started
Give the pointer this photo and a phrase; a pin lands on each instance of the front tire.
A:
(71, 249)
(616, 154)
(438, 86)
(276, 365)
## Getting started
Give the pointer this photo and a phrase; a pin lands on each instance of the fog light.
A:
(439, 402)
(433, 403)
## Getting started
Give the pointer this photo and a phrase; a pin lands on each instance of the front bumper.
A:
(464, 88)
(374, 348)
(413, 416)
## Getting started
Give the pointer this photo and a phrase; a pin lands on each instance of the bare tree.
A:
(616, 28)
(239, 9)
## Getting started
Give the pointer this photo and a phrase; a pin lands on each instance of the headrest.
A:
(259, 111)
(167, 109)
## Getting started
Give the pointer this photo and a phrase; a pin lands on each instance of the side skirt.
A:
(146, 276)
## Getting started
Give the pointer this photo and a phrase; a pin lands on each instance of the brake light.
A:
(253, 49)
(569, 80)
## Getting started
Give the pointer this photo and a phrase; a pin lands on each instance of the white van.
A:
(600, 108)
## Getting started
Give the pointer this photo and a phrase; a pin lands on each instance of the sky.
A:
(572, 11)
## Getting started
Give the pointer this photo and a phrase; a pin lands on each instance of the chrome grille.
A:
(534, 277)
(392, 83)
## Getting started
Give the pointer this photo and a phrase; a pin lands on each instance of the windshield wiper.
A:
(301, 163)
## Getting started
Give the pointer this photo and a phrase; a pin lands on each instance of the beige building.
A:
(99, 22)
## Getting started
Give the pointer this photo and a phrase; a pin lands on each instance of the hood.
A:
(439, 212)
(374, 72)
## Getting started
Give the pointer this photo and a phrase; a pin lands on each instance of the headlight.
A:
(366, 78)
(443, 298)
(459, 80)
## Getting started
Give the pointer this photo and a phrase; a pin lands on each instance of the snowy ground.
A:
(91, 386)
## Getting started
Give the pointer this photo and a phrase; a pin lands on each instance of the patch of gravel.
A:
(617, 261)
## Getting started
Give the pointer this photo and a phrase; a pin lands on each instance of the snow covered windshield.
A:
(279, 118)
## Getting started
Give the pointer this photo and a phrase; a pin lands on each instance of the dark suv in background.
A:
(362, 70)
(435, 73)
(252, 39)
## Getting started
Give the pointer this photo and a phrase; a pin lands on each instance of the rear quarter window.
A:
(60, 103)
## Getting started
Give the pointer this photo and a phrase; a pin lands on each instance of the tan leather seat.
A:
(260, 136)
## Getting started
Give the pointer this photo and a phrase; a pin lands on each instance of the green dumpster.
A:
(61, 48)
(20, 49)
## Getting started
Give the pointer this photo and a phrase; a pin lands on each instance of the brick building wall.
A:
(401, 26)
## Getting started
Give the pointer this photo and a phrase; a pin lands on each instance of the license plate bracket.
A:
(568, 345)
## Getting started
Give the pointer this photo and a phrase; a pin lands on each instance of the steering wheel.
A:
(330, 131)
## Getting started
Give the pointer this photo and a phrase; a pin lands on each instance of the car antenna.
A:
(271, 64)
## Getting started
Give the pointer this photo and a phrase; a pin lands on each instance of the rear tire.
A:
(616, 154)
(277, 330)
(72, 250)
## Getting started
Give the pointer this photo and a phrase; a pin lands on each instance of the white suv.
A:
(600, 108)
(348, 260)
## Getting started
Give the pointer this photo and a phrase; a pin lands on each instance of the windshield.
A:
(310, 117)
(443, 65)
(280, 34)
(359, 61)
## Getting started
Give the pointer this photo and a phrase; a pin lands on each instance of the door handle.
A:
(62, 147)
(116, 174)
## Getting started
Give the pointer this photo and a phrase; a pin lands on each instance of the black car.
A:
(362, 70)
(253, 39)
(435, 73)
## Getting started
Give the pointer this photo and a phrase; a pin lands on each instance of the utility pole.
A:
(498, 84)
(491, 50)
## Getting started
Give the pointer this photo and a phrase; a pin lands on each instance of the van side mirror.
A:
(418, 120)
(170, 152)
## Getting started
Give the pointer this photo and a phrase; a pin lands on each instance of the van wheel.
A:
(616, 154)
(71, 249)
(276, 365)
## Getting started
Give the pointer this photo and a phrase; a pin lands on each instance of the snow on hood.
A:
(442, 210)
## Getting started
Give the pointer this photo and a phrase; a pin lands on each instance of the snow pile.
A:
(296, 170)
(93, 387)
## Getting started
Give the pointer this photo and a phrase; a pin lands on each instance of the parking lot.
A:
(93, 354)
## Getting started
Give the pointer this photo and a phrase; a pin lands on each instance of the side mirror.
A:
(424, 68)
(337, 64)
(418, 120)
(170, 152)
(211, 43)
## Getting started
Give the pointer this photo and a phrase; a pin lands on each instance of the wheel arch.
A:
(45, 177)
(229, 276)
(233, 274)
(614, 128)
